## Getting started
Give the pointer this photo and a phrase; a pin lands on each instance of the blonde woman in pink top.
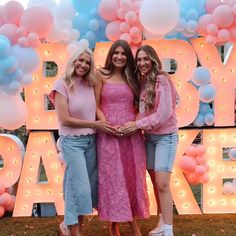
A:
(75, 103)
(158, 119)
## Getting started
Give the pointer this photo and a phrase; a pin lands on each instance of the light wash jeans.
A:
(81, 176)
(161, 151)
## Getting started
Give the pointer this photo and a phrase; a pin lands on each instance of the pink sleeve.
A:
(163, 107)
(60, 87)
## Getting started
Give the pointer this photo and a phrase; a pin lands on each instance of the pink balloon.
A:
(10, 106)
(10, 207)
(203, 22)
(108, 9)
(200, 170)
(136, 39)
(232, 31)
(21, 32)
(234, 9)
(200, 149)
(134, 31)
(230, 2)
(228, 188)
(23, 42)
(126, 37)
(223, 35)
(113, 30)
(204, 179)
(191, 151)
(125, 4)
(211, 39)
(2, 21)
(121, 13)
(124, 27)
(130, 17)
(210, 5)
(223, 16)
(2, 211)
(212, 29)
(10, 31)
(38, 20)
(192, 178)
(13, 12)
(5, 199)
(187, 163)
(201, 160)
(2, 189)
(207, 167)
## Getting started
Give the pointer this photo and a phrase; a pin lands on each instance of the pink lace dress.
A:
(121, 161)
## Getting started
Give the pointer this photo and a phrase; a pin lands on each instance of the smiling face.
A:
(119, 58)
(144, 63)
(82, 64)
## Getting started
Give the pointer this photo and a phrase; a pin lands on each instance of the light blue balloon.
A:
(94, 25)
(199, 121)
(232, 154)
(80, 22)
(191, 26)
(205, 108)
(209, 119)
(28, 59)
(17, 75)
(85, 6)
(201, 76)
(207, 93)
(192, 14)
(5, 47)
(8, 64)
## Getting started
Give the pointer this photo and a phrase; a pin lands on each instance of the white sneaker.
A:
(168, 233)
(159, 230)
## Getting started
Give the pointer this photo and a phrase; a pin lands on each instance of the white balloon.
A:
(13, 112)
(159, 16)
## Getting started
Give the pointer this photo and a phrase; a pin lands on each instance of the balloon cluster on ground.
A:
(194, 164)
(7, 200)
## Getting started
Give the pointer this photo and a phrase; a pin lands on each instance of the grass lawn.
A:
(184, 225)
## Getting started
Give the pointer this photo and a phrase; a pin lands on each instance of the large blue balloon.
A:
(85, 6)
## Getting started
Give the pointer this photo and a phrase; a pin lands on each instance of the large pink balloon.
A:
(13, 112)
(159, 16)
(108, 9)
(223, 16)
(203, 22)
(210, 5)
(38, 20)
(187, 163)
(13, 12)
(2, 21)
(113, 30)
(10, 31)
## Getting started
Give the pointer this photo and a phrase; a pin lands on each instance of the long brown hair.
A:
(128, 70)
(152, 76)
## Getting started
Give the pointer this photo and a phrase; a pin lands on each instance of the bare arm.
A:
(97, 91)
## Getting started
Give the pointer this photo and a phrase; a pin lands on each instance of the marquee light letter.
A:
(41, 146)
(223, 78)
(39, 117)
(10, 150)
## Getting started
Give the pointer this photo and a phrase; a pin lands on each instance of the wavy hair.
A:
(128, 70)
(152, 76)
(70, 75)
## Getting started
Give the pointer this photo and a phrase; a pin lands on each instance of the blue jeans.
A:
(81, 176)
(161, 151)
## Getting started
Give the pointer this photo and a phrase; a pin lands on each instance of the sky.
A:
(23, 2)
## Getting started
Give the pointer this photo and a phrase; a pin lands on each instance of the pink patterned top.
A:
(162, 118)
(81, 105)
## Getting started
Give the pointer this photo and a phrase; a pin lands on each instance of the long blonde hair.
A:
(152, 76)
(70, 76)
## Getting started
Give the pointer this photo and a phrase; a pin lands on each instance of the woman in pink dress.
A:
(121, 159)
